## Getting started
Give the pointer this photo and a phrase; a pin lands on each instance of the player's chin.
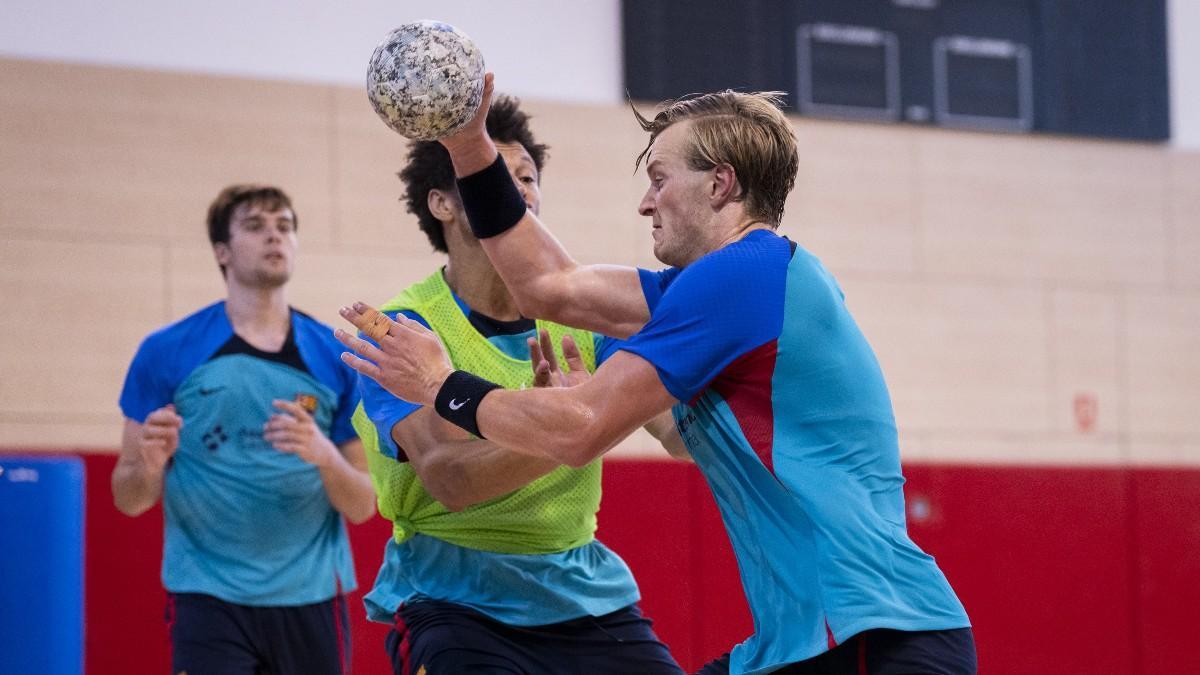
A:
(273, 278)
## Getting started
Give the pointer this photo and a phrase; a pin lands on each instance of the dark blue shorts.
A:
(884, 652)
(212, 637)
(442, 638)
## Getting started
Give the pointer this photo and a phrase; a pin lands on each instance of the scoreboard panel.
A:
(1093, 67)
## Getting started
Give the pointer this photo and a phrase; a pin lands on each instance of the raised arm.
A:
(545, 280)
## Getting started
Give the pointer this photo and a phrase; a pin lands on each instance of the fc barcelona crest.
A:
(308, 402)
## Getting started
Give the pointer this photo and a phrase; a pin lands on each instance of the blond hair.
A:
(748, 132)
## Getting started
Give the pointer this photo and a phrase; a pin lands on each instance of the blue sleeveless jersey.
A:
(785, 410)
(243, 521)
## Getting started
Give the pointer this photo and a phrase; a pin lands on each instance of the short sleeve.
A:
(605, 347)
(654, 284)
(342, 430)
(147, 386)
(711, 313)
(382, 408)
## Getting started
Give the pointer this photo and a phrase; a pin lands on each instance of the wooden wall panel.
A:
(1184, 240)
(1163, 356)
(590, 189)
(998, 276)
(141, 154)
(993, 448)
(74, 313)
(854, 205)
(326, 281)
(368, 214)
(958, 357)
(1019, 208)
(1085, 379)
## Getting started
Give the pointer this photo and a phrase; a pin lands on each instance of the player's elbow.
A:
(542, 299)
(584, 440)
(362, 512)
(446, 495)
(581, 458)
(530, 305)
(443, 481)
(129, 506)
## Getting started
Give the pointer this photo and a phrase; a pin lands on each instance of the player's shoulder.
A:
(744, 261)
(310, 330)
(189, 330)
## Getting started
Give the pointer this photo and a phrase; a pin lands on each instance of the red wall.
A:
(1064, 570)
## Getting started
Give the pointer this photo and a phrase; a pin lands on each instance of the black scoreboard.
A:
(1092, 67)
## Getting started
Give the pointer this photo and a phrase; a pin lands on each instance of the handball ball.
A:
(425, 80)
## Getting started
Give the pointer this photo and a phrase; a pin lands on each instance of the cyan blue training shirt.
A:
(245, 522)
(785, 410)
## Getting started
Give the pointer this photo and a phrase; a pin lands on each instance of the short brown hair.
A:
(747, 131)
(221, 210)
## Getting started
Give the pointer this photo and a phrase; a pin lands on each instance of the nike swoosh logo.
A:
(207, 392)
(455, 405)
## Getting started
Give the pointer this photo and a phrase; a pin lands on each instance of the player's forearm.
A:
(349, 489)
(555, 424)
(470, 153)
(463, 473)
(534, 265)
(135, 487)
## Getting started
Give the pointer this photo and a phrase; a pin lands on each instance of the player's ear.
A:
(221, 253)
(724, 186)
(442, 204)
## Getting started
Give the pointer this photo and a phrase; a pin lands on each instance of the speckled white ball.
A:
(425, 80)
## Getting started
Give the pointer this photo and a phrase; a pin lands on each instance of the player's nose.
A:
(646, 207)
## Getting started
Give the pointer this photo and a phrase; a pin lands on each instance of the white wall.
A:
(569, 50)
(545, 49)
(1183, 27)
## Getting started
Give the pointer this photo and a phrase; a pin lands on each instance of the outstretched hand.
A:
(410, 362)
(546, 371)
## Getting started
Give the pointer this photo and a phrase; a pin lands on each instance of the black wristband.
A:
(459, 398)
(491, 199)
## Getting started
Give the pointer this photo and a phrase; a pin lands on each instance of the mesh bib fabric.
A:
(554, 513)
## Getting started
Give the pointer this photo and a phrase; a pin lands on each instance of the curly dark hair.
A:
(429, 168)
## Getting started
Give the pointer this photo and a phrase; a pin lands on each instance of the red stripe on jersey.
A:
(405, 644)
(745, 385)
(339, 601)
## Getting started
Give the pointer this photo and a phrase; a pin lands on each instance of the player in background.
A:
(746, 337)
(494, 565)
(238, 418)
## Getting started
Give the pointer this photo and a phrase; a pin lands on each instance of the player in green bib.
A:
(493, 565)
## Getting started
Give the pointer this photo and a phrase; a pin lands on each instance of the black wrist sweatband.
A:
(459, 398)
(491, 199)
